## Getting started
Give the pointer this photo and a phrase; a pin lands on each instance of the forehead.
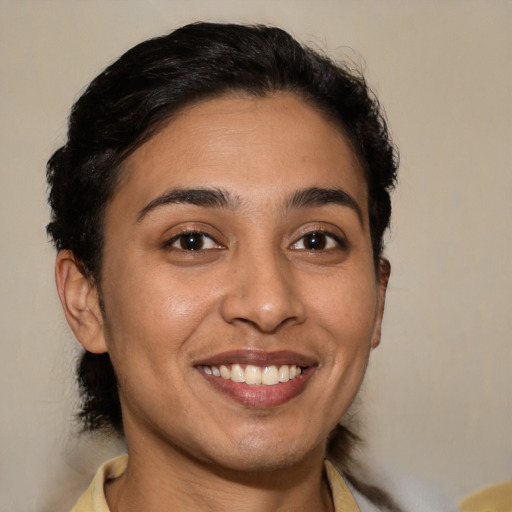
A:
(254, 147)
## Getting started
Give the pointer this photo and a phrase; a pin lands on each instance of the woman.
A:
(218, 212)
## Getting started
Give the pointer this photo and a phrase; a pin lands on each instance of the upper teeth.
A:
(255, 375)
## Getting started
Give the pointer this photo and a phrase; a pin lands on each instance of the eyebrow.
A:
(219, 198)
(205, 197)
(316, 196)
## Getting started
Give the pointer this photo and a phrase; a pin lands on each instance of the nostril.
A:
(263, 294)
(265, 317)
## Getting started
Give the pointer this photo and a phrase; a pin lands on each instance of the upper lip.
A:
(257, 358)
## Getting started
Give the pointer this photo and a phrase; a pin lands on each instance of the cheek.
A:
(346, 306)
(346, 310)
(153, 312)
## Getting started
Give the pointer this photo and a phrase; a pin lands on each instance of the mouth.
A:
(256, 379)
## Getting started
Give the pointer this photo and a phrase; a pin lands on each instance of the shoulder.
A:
(496, 498)
(342, 496)
(343, 492)
(93, 499)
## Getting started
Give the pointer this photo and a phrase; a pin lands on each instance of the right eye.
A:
(193, 241)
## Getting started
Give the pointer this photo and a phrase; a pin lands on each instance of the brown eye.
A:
(193, 241)
(317, 241)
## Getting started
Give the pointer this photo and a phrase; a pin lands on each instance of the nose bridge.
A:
(262, 291)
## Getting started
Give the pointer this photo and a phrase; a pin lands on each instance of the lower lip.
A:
(261, 397)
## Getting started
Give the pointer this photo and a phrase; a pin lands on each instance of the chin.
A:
(250, 462)
(254, 454)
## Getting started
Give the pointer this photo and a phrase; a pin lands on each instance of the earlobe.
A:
(79, 298)
(383, 278)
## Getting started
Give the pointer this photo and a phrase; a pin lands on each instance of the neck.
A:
(164, 479)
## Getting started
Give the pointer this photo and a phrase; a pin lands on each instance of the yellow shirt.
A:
(93, 500)
(495, 498)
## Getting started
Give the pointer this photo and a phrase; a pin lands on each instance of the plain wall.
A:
(437, 401)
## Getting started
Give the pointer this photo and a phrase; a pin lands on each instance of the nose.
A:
(263, 293)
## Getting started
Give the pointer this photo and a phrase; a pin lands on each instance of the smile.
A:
(253, 375)
(258, 379)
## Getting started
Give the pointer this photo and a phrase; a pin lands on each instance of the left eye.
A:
(192, 241)
(316, 241)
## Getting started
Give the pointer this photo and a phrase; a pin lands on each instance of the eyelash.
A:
(181, 237)
(330, 240)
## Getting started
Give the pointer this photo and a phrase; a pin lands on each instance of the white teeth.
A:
(255, 375)
(237, 373)
(270, 376)
(224, 372)
(284, 373)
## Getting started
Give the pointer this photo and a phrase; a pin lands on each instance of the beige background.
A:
(437, 402)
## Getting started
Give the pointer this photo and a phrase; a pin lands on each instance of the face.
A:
(241, 298)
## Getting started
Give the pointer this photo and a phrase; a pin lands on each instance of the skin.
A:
(258, 285)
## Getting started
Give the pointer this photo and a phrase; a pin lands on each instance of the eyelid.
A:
(339, 239)
(169, 242)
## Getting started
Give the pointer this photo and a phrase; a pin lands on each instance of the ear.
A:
(384, 272)
(80, 301)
